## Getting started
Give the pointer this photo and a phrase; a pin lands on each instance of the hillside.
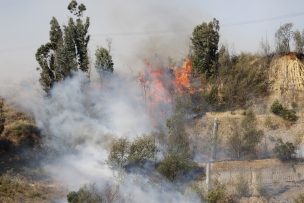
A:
(22, 149)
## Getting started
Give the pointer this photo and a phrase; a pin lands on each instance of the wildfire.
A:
(159, 85)
(182, 77)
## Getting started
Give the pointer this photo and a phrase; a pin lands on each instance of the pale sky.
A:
(138, 28)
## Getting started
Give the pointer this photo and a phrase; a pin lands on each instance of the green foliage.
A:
(67, 49)
(142, 149)
(104, 62)
(86, 194)
(277, 108)
(243, 142)
(173, 166)
(205, 38)
(284, 151)
(217, 194)
(2, 117)
(283, 36)
(119, 153)
(283, 112)
(244, 80)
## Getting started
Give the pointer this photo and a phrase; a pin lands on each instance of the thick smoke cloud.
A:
(80, 119)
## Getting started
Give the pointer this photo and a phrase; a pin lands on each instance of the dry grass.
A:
(14, 188)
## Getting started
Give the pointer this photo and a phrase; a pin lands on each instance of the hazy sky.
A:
(138, 27)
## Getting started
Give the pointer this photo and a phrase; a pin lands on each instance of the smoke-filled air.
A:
(172, 113)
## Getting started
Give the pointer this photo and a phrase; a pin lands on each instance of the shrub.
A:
(218, 194)
(173, 166)
(281, 111)
(123, 152)
(119, 153)
(86, 194)
(284, 151)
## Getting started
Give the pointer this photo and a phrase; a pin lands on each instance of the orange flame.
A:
(183, 77)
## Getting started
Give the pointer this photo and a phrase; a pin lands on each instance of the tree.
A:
(173, 166)
(284, 151)
(299, 41)
(104, 62)
(283, 36)
(67, 49)
(2, 118)
(205, 38)
(142, 149)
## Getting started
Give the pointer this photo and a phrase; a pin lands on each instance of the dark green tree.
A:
(283, 36)
(67, 49)
(104, 62)
(205, 38)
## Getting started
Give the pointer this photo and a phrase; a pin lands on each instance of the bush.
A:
(86, 194)
(173, 166)
(119, 153)
(218, 194)
(284, 151)
(281, 111)
(123, 152)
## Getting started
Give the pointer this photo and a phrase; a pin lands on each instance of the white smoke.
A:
(80, 119)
